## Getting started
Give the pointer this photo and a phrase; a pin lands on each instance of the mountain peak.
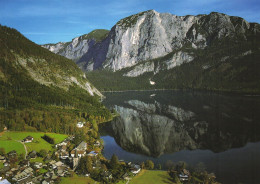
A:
(149, 35)
(151, 11)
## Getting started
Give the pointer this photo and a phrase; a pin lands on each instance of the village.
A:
(73, 156)
(62, 163)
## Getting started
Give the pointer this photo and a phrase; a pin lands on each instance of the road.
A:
(26, 152)
(25, 148)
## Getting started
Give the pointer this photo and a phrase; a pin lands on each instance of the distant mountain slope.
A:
(76, 48)
(31, 77)
(154, 46)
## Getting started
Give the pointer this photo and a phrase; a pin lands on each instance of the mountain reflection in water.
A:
(162, 126)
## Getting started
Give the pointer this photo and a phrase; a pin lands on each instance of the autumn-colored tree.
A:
(149, 164)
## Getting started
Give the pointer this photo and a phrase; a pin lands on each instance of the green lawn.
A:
(10, 145)
(1, 165)
(37, 159)
(77, 180)
(122, 182)
(9, 141)
(42, 171)
(151, 177)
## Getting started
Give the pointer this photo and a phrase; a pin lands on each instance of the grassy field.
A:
(77, 180)
(10, 145)
(1, 165)
(9, 141)
(151, 177)
(38, 159)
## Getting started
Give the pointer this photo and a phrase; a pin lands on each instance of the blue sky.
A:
(51, 21)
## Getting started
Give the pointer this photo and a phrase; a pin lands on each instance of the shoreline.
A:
(239, 93)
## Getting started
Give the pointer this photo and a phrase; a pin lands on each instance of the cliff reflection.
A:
(170, 122)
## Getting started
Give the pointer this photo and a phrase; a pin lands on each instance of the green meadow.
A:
(10, 141)
(78, 180)
(151, 177)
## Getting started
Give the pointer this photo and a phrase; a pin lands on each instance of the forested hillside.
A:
(42, 91)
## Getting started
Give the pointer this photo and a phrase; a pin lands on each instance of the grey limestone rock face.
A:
(153, 35)
(141, 69)
(148, 35)
(71, 50)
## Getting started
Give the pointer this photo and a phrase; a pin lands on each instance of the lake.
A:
(218, 132)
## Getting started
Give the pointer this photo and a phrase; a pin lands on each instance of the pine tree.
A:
(113, 162)
(89, 164)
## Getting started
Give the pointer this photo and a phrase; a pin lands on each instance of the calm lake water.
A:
(206, 130)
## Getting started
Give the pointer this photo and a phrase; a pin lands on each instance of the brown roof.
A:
(73, 152)
(80, 152)
(185, 171)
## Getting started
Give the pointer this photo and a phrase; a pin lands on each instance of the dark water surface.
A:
(206, 130)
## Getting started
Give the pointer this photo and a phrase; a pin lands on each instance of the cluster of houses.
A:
(27, 172)
(184, 175)
(21, 173)
(134, 168)
(23, 176)
(50, 171)
(74, 156)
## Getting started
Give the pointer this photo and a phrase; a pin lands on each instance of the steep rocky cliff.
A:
(79, 46)
(153, 43)
(149, 35)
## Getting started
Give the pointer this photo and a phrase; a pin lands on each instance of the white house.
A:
(97, 143)
(77, 153)
(80, 150)
(64, 155)
(28, 139)
(80, 124)
(152, 82)
(38, 165)
(61, 144)
(135, 169)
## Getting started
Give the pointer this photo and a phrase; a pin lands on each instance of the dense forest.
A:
(26, 104)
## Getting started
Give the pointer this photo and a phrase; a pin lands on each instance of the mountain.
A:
(169, 51)
(78, 46)
(33, 78)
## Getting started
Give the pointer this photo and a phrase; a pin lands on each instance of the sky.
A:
(52, 21)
